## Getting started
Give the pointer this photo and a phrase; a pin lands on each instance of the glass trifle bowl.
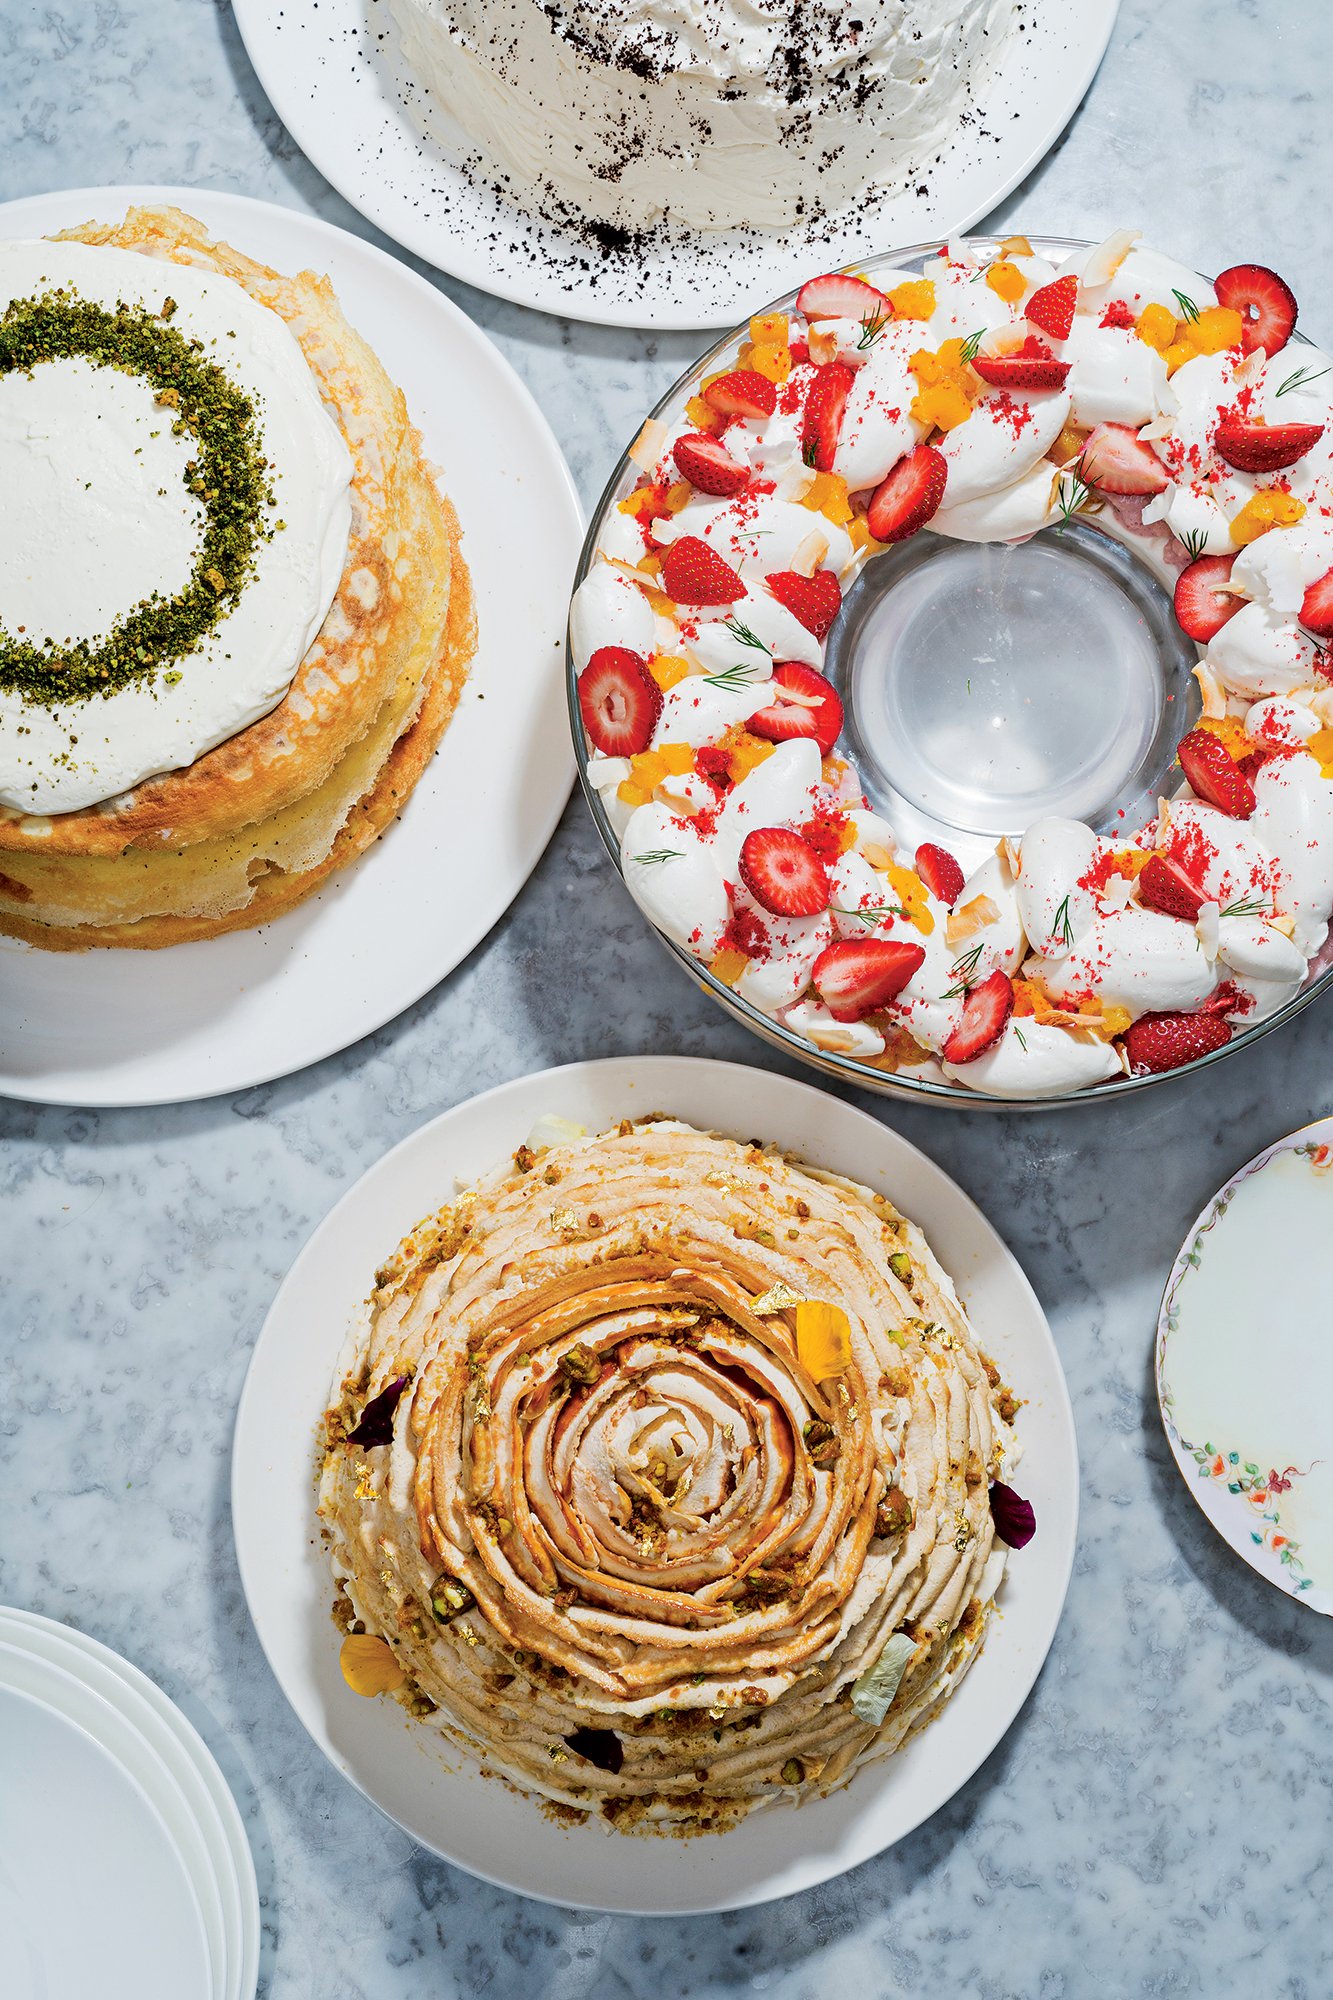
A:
(1013, 681)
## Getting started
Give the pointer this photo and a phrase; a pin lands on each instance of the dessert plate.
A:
(152, 1027)
(432, 1790)
(72, 1816)
(335, 78)
(171, 1752)
(1245, 1390)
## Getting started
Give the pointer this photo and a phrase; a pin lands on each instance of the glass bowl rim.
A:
(862, 1075)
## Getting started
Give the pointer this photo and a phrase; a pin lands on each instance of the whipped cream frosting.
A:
(95, 517)
(1057, 908)
(714, 113)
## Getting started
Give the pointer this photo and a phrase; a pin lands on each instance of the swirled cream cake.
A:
(664, 1474)
(712, 113)
(233, 617)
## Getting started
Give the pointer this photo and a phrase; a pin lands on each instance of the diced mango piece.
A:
(942, 405)
(745, 752)
(678, 496)
(677, 758)
(1178, 353)
(1114, 1021)
(702, 415)
(1006, 281)
(661, 603)
(631, 794)
(1320, 746)
(1157, 326)
(823, 1338)
(667, 669)
(1230, 732)
(913, 300)
(827, 495)
(728, 966)
(1270, 509)
(1216, 329)
(910, 891)
(858, 530)
(769, 329)
(772, 361)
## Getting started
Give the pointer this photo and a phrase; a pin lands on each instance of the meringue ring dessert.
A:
(949, 668)
(234, 615)
(664, 1475)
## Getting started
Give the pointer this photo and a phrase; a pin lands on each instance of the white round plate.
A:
(178, 1745)
(94, 1896)
(1245, 1365)
(336, 80)
(436, 1793)
(155, 1027)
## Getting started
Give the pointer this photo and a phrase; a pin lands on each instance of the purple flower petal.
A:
(1014, 1519)
(601, 1747)
(376, 1421)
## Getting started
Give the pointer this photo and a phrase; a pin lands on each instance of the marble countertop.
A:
(1157, 1820)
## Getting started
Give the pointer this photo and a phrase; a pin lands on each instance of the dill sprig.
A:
(1246, 906)
(1188, 309)
(1195, 541)
(872, 326)
(873, 914)
(653, 855)
(739, 675)
(1300, 380)
(971, 344)
(743, 636)
(1062, 928)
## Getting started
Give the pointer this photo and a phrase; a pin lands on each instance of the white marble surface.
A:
(1157, 1821)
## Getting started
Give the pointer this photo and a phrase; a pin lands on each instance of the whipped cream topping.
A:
(713, 113)
(1059, 910)
(95, 517)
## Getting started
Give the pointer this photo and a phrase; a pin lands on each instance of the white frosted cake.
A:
(712, 113)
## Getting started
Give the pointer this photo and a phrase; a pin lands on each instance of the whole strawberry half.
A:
(986, 1012)
(1202, 606)
(804, 704)
(1264, 447)
(742, 393)
(1317, 607)
(708, 465)
(694, 573)
(619, 701)
(1116, 459)
(1051, 307)
(814, 601)
(783, 873)
(1157, 1042)
(1265, 302)
(1032, 366)
(940, 872)
(906, 499)
(856, 975)
(1164, 886)
(824, 409)
(1214, 775)
(837, 295)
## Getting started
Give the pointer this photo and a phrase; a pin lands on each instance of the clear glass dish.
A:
(1104, 760)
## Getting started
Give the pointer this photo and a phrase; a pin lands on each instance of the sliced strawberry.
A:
(619, 701)
(1052, 307)
(1157, 1042)
(1265, 302)
(784, 873)
(912, 492)
(837, 295)
(857, 975)
(985, 1012)
(940, 872)
(708, 465)
(824, 407)
(1164, 886)
(1116, 459)
(806, 705)
(1202, 606)
(1031, 366)
(1213, 774)
(1264, 447)
(693, 573)
(1317, 607)
(742, 393)
(814, 601)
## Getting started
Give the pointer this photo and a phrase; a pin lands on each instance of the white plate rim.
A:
(1213, 1499)
(100, 1750)
(314, 239)
(255, 1508)
(293, 87)
(168, 1731)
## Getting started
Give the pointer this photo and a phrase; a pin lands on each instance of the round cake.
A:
(709, 113)
(664, 1475)
(234, 620)
(989, 395)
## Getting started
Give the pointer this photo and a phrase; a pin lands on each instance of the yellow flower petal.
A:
(823, 1338)
(368, 1664)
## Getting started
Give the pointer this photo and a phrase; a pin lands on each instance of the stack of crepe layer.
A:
(256, 824)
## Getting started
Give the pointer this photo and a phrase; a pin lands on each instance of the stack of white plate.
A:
(124, 1868)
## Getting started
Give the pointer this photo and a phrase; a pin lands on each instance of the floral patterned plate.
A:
(1245, 1365)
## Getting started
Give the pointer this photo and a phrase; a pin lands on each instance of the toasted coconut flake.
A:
(810, 553)
(1107, 258)
(650, 444)
(1212, 692)
(972, 917)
